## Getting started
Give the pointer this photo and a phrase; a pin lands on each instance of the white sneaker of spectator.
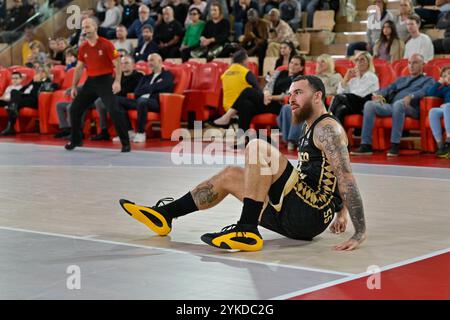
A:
(140, 138)
(131, 134)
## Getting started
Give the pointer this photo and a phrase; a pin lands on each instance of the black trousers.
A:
(347, 104)
(18, 101)
(100, 86)
(441, 46)
(143, 106)
(251, 103)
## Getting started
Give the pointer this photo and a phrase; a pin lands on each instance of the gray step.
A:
(352, 26)
(332, 49)
(348, 38)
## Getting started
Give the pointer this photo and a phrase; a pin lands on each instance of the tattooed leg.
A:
(212, 191)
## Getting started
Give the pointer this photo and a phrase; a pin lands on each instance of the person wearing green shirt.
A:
(191, 38)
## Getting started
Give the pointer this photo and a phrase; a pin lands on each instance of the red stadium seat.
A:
(142, 66)
(26, 72)
(430, 70)
(58, 72)
(204, 93)
(171, 104)
(385, 73)
(310, 67)
(399, 65)
(440, 62)
(26, 121)
(427, 141)
(47, 104)
(5, 79)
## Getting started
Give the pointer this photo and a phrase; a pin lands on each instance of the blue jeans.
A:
(311, 7)
(435, 116)
(289, 131)
(397, 111)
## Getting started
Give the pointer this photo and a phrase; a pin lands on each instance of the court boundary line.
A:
(270, 264)
(237, 155)
(360, 275)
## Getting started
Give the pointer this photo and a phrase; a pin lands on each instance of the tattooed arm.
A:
(330, 137)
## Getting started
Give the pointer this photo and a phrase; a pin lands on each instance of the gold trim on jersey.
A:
(288, 186)
(321, 197)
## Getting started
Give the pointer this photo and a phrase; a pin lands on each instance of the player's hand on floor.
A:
(350, 244)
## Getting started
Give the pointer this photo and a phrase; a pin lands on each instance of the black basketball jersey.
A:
(317, 183)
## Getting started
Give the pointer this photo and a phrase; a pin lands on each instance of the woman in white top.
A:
(356, 88)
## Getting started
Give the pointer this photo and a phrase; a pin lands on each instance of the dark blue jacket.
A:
(163, 83)
(439, 90)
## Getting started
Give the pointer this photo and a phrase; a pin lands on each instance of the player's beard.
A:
(303, 113)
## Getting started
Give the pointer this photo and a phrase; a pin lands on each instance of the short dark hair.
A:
(239, 56)
(444, 69)
(415, 17)
(197, 10)
(147, 26)
(17, 73)
(299, 57)
(314, 82)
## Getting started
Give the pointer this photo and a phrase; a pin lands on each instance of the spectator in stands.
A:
(287, 51)
(180, 10)
(401, 19)
(356, 88)
(375, 22)
(330, 78)
(70, 59)
(30, 38)
(26, 97)
(279, 32)
(76, 39)
(240, 13)
(54, 56)
(193, 33)
(431, 16)
(16, 84)
(62, 44)
(398, 100)
(200, 5)
(128, 82)
(130, 13)
(122, 42)
(113, 16)
(168, 35)
(291, 12)
(63, 112)
(256, 35)
(36, 55)
(252, 101)
(389, 47)
(214, 36)
(442, 46)
(266, 5)
(235, 80)
(18, 14)
(223, 5)
(134, 31)
(441, 89)
(310, 6)
(147, 94)
(147, 46)
(419, 42)
(325, 71)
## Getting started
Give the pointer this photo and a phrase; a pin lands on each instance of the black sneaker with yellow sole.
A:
(154, 218)
(242, 237)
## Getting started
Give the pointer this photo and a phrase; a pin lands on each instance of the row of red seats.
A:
(197, 92)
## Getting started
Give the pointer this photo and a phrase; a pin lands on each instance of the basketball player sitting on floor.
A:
(297, 203)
